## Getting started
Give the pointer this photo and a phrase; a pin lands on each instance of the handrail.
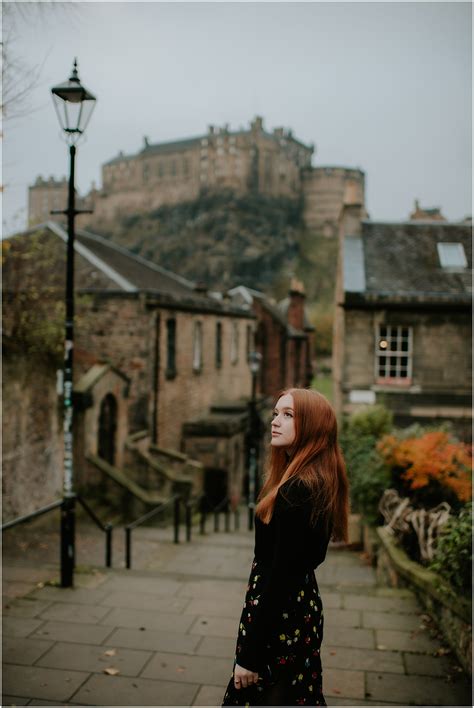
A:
(150, 514)
(34, 514)
(107, 528)
(222, 505)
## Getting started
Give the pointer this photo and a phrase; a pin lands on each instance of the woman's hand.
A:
(244, 677)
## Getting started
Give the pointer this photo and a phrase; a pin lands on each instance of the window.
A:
(170, 349)
(393, 349)
(146, 172)
(218, 345)
(451, 255)
(173, 168)
(197, 347)
(234, 344)
(249, 345)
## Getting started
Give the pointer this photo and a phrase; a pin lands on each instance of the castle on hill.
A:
(247, 160)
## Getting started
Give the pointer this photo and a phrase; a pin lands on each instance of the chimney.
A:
(297, 299)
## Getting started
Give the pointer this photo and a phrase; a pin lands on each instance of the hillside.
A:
(225, 240)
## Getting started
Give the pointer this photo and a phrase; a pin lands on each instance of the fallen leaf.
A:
(142, 629)
(336, 690)
(40, 585)
(180, 669)
(333, 653)
(110, 652)
(111, 671)
(381, 646)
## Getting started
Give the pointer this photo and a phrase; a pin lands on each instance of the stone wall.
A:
(325, 191)
(440, 385)
(32, 474)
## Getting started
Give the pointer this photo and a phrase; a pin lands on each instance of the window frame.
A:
(197, 347)
(393, 333)
(171, 370)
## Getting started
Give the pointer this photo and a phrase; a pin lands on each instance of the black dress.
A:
(281, 626)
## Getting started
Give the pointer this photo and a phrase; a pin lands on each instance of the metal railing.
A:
(176, 501)
(60, 503)
(223, 506)
(106, 528)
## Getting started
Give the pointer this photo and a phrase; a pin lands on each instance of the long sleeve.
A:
(289, 550)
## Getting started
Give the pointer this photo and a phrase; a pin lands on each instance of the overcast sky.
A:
(381, 86)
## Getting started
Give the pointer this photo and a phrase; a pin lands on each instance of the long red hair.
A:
(316, 460)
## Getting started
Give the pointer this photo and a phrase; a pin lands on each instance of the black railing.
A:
(176, 501)
(202, 503)
(106, 528)
(60, 503)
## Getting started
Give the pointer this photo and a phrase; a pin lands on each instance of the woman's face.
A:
(283, 423)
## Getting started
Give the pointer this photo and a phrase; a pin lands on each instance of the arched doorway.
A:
(107, 428)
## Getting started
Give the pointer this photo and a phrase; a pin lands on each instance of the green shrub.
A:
(368, 475)
(371, 420)
(453, 554)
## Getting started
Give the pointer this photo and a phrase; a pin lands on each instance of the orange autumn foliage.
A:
(431, 457)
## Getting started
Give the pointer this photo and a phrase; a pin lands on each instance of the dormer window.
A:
(452, 255)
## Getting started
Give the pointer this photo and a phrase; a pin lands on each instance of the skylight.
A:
(451, 255)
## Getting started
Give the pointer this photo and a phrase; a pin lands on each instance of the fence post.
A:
(177, 503)
(227, 519)
(189, 521)
(236, 520)
(216, 521)
(108, 545)
(128, 547)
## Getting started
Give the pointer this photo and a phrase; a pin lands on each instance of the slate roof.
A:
(130, 273)
(399, 262)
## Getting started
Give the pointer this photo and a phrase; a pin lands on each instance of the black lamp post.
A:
(74, 106)
(255, 359)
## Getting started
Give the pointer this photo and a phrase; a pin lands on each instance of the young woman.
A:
(303, 503)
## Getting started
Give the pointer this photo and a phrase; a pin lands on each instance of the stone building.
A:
(402, 333)
(284, 338)
(178, 356)
(45, 196)
(246, 160)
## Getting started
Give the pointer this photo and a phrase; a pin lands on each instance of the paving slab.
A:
(426, 665)
(190, 669)
(75, 612)
(346, 683)
(349, 637)
(14, 701)
(342, 618)
(36, 682)
(25, 607)
(363, 659)
(414, 690)
(20, 626)
(331, 600)
(400, 621)
(215, 626)
(121, 691)
(147, 601)
(138, 584)
(94, 659)
(76, 595)
(224, 607)
(73, 632)
(217, 646)
(381, 604)
(154, 641)
(392, 639)
(209, 696)
(21, 650)
(136, 619)
(214, 589)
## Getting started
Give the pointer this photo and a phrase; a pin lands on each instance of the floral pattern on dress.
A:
(293, 650)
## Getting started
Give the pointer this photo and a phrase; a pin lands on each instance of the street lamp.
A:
(74, 106)
(255, 359)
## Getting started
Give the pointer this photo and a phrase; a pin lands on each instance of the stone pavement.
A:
(164, 634)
